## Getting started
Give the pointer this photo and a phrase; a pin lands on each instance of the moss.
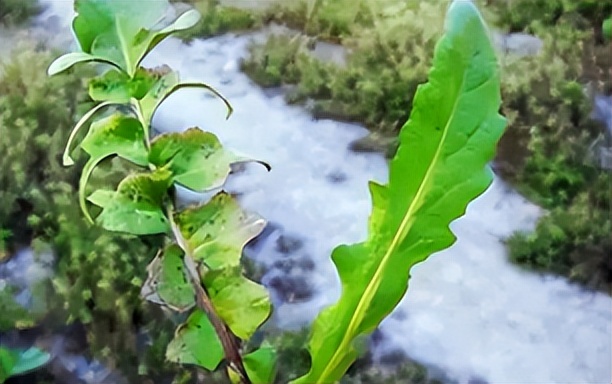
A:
(17, 11)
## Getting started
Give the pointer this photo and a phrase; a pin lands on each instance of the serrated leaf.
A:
(136, 206)
(196, 158)
(167, 284)
(117, 87)
(217, 231)
(241, 303)
(195, 342)
(440, 166)
(115, 135)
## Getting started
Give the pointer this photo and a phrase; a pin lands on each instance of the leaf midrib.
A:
(403, 229)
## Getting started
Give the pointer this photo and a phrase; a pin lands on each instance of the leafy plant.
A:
(440, 166)
(200, 264)
(455, 121)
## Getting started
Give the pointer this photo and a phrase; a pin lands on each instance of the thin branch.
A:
(229, 341)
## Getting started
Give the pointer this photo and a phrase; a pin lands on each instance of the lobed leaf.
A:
(115, 135)
(241, 303)
(195, 342)
(440, 166)
(136, 206)
(217, 231)
(196, 158)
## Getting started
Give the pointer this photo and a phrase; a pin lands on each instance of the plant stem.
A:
(229, 341)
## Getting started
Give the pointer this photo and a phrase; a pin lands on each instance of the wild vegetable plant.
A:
(198, 271)
(441, 165)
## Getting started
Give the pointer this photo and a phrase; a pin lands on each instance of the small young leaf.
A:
(136, 207)
(241, 303)
(261, 365)
(147, 40)
(101, 197)
(66, 159)
(115, 135)
(109, 29)
(217, 231)
(195, 342)
(196, 158)
(166, 86)
(117, 87)
(168, 284)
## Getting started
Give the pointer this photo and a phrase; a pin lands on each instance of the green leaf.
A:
(241, 303)
(136, 206)
(15, 362)
(167, 84)
(124, 31)
(66, 159)
(101, 197)
(260, 366)
(217, 231)
(115, 135)
(8, 359)
(29, 360)
(109, 29)
(66, 61)
(607, 28)
(196, 158)
(195, 342)
(168, 284)
(117, 87)
(440, 166)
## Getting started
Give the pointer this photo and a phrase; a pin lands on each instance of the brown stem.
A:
(229, 341)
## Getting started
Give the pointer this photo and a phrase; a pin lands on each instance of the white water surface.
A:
(468, 311)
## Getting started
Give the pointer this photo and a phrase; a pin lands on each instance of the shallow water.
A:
(468, 311)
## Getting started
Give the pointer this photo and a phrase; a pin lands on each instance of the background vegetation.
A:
(545, 153)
